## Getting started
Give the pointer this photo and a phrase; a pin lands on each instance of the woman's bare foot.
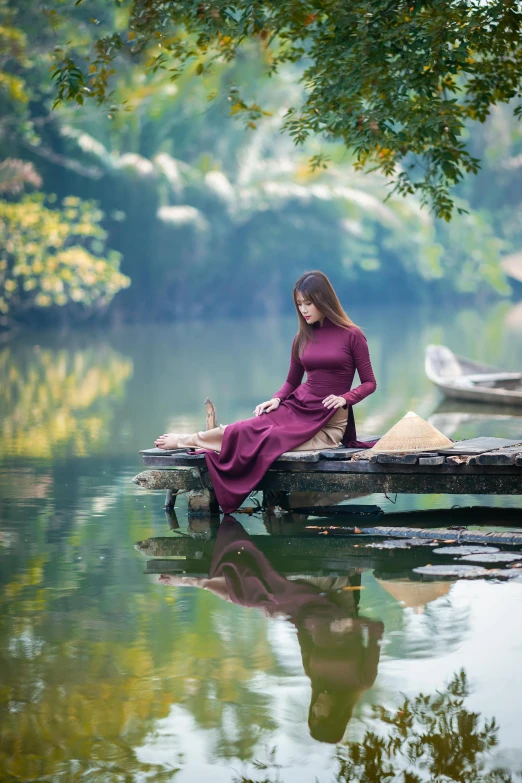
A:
(167, 441)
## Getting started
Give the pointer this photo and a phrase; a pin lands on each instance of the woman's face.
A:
(308, 310)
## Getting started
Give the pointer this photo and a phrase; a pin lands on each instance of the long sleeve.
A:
(294, 377)
(361, 359)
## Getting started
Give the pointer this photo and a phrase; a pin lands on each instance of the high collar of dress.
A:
(326, 323)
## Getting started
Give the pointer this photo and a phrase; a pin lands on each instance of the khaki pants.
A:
(327, 438)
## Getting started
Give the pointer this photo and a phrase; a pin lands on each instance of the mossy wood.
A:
(354, 547)
(453, 480)
(478, 466)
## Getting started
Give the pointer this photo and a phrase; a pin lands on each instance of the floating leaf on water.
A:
(417, 541)
(455, 571)
(498, 557)
(513, 574)
(390, 544)
(469, 549)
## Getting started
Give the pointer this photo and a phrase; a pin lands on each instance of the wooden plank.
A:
(338, 453)
(454, 463)
(365, 466)
(490, 483)
(499, 457)
(163, 458)
(182, 478)
(324, 546)
(395, 459)
(161, 452)
(299, 456)
(340, 510)
(177, 460)
(478, 445)
(472, 536)
(475, 481)
(429, 518)
(438, 459)
(292, 567)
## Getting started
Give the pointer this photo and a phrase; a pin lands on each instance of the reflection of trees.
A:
(85, 686)
(92, 658)
(219, 657)
(431, 738)
(56, 399)
(427, 738)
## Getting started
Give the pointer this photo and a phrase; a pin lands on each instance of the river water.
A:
(109, 673)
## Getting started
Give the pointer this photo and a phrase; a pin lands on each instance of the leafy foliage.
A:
(59, 402)
(202, 209)
(394, 81)
(248, 214)
(428, 739)
(13, 44)
(51, 257)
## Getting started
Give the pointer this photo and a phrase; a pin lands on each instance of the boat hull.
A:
(460, 378)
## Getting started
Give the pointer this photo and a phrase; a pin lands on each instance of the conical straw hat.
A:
(411, 433)
(415, 594)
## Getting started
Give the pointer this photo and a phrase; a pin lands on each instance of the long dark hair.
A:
(316, 287)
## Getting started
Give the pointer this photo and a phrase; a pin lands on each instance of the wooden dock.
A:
(480, 466)
(301, 555)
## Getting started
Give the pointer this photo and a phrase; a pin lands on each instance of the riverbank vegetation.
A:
(181, 209)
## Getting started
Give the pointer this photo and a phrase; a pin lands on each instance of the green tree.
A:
(394, 80)
(51, 257)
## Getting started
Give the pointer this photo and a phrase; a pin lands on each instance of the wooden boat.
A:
(465, 379)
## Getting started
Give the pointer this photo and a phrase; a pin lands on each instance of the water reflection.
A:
(339, 647)
(108, 675)
(58, 401)
(426, 739)
(468, 419)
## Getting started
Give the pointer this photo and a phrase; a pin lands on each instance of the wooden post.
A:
(172, 519)
(211, 414)
(170, 500)
(203, 502)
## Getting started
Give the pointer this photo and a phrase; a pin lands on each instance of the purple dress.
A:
(250, 446)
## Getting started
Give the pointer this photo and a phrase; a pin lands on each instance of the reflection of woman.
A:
(316, 414)
(340, 650)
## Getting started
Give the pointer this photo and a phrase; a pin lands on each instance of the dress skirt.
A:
(329, 437)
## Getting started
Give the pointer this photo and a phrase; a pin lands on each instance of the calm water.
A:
(110, 674)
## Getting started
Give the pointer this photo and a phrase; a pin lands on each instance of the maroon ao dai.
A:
(250, 446)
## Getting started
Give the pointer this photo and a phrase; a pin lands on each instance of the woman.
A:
(316, 414)
(340, 648)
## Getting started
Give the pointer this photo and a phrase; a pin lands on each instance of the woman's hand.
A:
(266, 407)
(332, 401)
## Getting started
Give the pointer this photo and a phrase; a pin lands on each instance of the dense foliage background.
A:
(164, 206)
